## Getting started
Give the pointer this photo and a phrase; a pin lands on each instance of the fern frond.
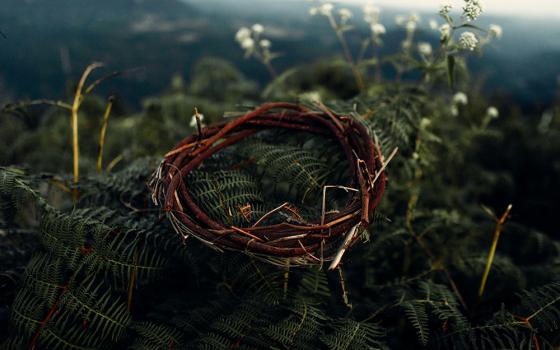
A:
(348, 334)
(45, 276)
(418, 316)
(223, 194)
(153, 336)
(314, 281)
(541, 307)
(94, 302)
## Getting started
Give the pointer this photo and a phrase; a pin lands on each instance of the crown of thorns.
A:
(324, 239)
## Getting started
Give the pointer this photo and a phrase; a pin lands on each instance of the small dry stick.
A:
(324, 203)
(343, 247)
(114, 162)
(102, 134)
(244, 232)
(286, 277)
(15, 106)
(344, 290)
(499, 225)
(198, 123)
(385, 163)
(269, 213)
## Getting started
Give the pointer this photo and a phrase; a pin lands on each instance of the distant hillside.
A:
(49, 42)
(84, 12)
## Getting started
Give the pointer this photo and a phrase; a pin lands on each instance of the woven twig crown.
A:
(324, 239)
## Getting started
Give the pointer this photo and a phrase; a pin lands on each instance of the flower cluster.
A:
(495, 31)
(250, 41)
(468, 41)
(445, 32)
(445, 9)
(254, 45)
(425, 48)
(344, 14)
(459, 99)
(472, 9)
(371, 13)
(371, 17)
(433, 24)
(197, 118)
(492, 112)
(410, 25)
(325, 10)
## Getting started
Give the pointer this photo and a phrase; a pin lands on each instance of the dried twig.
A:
(349, 238)
(497, 232)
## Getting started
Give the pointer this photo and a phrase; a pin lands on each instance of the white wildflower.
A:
(257, 28)
(371, 13)
(468, 41)
(445, 9)
(460, 98)
(345, 14)
(406, 44)
(248, 44)
(425, 48)
(410, 26)
(414, 18)
(425, 122)
(378, 29)
(495, 31)
(472, 9)
(311, 96)
(265, 44)
(242, 34)
(326, 9)
(492, 112)
(400, 19)
(433, 24)
(445, 31)
(313, 11)
(193, 119)
(454, 110)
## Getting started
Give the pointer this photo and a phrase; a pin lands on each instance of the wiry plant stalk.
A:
(347, 53)
(78, 98)
(497, 232)
(102, 134)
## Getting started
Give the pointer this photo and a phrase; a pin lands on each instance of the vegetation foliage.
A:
(107, 271)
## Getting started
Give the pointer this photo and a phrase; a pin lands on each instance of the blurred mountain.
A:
(85, 13)
(49, 42)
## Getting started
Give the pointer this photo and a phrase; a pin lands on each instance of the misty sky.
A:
(533, 8)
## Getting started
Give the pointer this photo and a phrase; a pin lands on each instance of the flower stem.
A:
(347, 54)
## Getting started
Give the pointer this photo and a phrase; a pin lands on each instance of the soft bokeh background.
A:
(48, 42)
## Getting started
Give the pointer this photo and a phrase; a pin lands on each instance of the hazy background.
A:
(49, 42)
(536, 8)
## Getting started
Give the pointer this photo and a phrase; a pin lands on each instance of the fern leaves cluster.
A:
(224, 194)
(111, 274)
